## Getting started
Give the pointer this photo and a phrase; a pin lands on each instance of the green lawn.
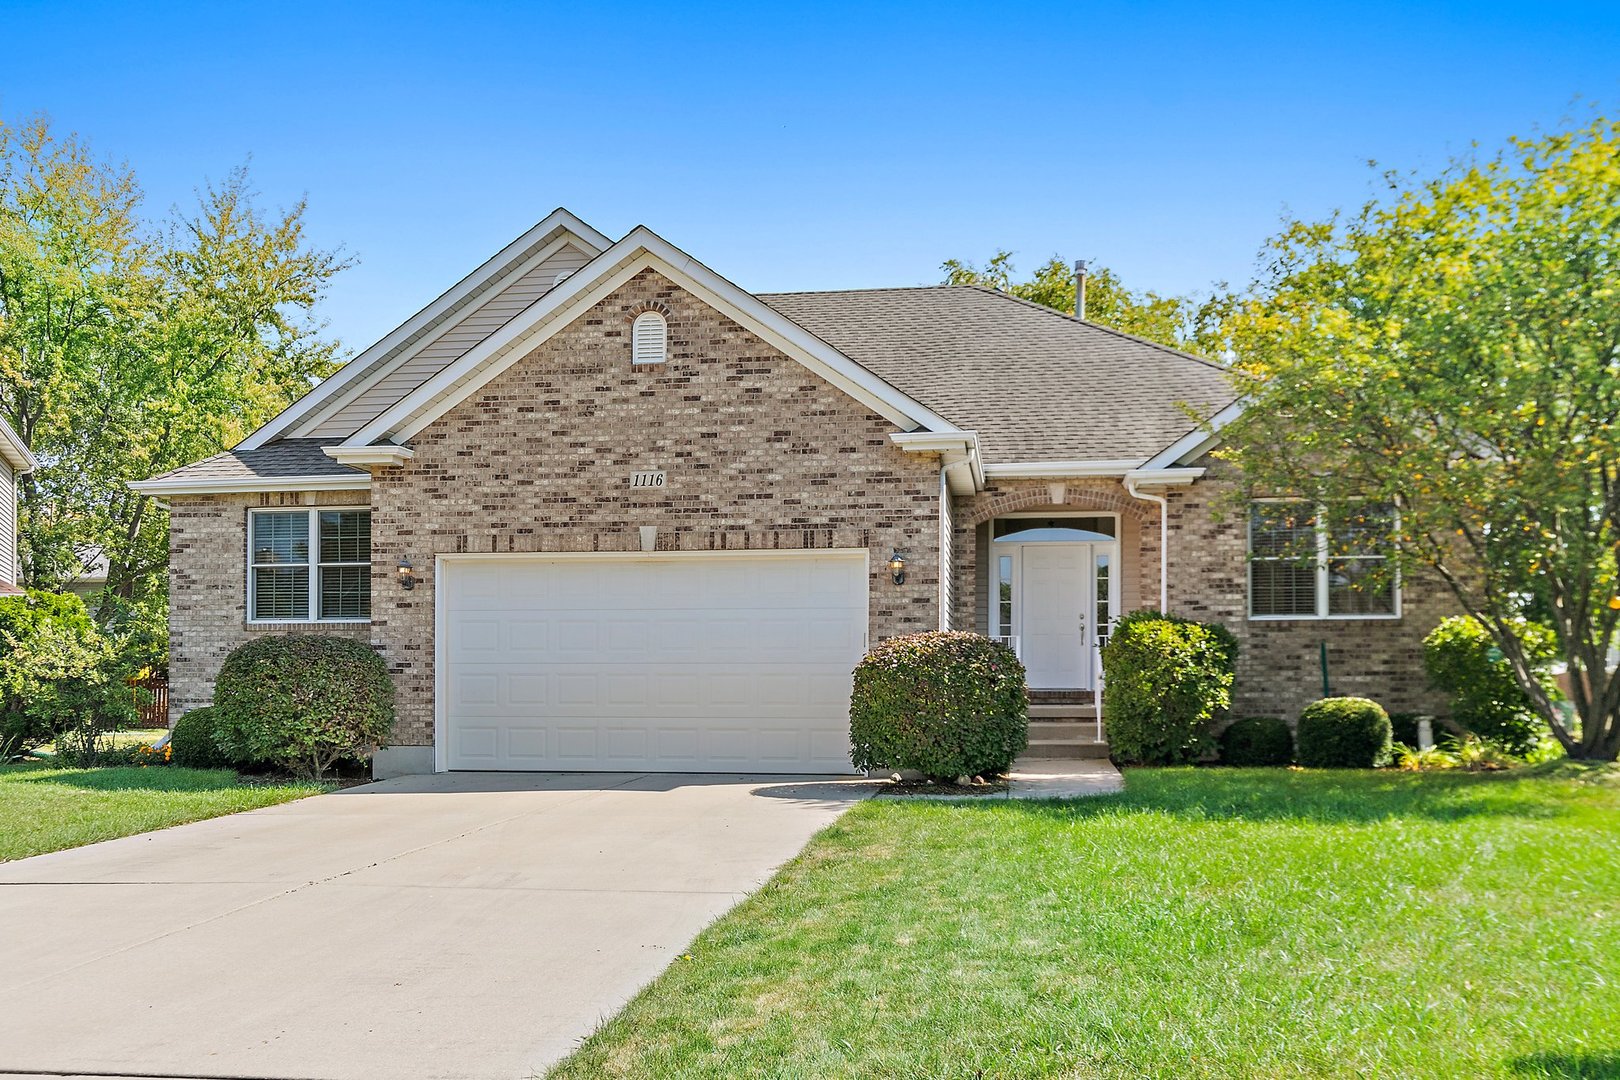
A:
(46, 809)
(1206, 923)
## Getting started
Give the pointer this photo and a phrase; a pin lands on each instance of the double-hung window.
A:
(309, 565)
(1308, 561)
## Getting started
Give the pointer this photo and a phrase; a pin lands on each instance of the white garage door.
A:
(681, 662)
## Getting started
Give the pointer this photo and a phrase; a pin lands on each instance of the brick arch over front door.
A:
(1036, 495)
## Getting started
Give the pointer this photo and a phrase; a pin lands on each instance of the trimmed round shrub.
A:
(1344, 733)
(303, 702)
(194, 743)
(1485, 697)
(944, 703)
(1257, 740)
(1166, 679)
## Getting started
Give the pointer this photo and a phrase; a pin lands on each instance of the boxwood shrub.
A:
(1166, 679)
(944, 703)
(302, 702)
(194, 743)
(1257, 740)
(1344, 733)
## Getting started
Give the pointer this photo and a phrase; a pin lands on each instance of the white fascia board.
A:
(366, 380)
(1058, 470)
(1166, 477)
(638, 251)
(355, 368)
(180, 486)
(1196, 442)
(18, 456)
(362, 456)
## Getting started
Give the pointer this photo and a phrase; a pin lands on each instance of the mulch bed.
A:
(994, 785)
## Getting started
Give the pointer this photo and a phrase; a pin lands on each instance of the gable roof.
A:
(1037, 385)
(640, 249)
(554, 231)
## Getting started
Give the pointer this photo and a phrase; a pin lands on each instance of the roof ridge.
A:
(1173, 351)
(870, 288)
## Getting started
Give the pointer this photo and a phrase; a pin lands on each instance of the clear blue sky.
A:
(819, 147)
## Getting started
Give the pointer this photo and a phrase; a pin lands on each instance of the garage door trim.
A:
(441, 743)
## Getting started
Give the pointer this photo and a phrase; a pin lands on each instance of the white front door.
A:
(1056, 645)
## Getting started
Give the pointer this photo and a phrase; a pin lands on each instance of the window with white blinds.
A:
(1306, 562)
(649, 339)
(309, 565)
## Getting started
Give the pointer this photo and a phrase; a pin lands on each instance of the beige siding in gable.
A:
(8, 523)
(505, 301)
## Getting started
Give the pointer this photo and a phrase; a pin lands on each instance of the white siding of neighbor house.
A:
(504, 302)
(8, 523)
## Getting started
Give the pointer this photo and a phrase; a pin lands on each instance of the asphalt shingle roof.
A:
(1035, 384)
(286, 457)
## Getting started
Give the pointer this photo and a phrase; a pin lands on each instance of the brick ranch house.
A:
(600, 508)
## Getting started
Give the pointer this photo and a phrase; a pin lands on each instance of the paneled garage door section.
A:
(673, 663)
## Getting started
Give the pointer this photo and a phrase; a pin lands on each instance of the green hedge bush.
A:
(1166, 679)
(1344, 733)
(1257, 740)
(944, 703)
(303, 702)
(194, 740)
(60, 678)
(1485, 697)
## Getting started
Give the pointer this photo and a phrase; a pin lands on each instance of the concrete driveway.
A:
(463, 925)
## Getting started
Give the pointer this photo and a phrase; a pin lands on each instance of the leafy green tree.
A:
(129, 347)
(1454, 349)
(1176, 321)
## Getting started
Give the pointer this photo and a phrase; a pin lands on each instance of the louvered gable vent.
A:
(649, 339)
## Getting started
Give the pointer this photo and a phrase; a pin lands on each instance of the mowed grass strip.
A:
(1205, 923)
(43, 808)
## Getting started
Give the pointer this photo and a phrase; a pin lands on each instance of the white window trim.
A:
(313, 565)
(1323, 556)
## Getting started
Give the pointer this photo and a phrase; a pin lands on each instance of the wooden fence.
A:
(154, 702)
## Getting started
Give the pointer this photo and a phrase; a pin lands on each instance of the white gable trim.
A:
(14, 452)
(357, 367)
(359, 386)
(362, 456)
(638, 251)
(1058, 470)
(1195, 443)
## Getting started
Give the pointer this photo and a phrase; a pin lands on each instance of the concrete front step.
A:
(1065, 748)
(1060, 697)
(1062, 712)
(1073, 730)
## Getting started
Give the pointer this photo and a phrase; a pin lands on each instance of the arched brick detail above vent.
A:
(1077, 496)
(631, 313)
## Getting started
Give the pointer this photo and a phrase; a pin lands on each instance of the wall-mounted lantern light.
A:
(407, 580)
(897, 563)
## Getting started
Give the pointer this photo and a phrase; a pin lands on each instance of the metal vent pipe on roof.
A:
(1080, 289)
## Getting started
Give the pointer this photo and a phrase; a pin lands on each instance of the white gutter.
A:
(955, 449)
(203, 486)
(1058, 470)
(1166, 477)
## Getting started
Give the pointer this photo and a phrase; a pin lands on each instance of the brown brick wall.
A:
(208, 587)
(1279, 667)
(760, 454)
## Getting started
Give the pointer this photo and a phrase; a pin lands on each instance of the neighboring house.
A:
(92, 576)
(15, 462)
(600, 508)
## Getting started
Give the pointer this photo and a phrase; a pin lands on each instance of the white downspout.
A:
(1164, 540)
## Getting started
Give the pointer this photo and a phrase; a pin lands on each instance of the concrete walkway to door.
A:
(463, 925)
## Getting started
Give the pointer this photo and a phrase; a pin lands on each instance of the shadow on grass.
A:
(153, 778)
(1569, 1066)
(1283, 795)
